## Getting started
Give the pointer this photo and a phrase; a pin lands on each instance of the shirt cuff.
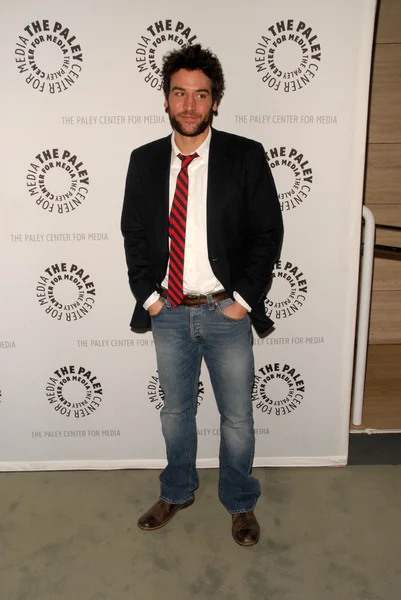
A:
(240, 299)
(151, 300)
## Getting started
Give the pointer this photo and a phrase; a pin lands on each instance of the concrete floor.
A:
(327, 534)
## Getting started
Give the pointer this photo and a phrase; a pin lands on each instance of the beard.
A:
(201, 127)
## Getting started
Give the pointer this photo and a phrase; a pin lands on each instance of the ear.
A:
(214, 106)
(165, 104)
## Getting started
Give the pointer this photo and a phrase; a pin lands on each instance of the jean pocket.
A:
(154, 316)
(222, 305)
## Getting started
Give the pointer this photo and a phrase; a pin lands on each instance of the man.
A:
(202, 228)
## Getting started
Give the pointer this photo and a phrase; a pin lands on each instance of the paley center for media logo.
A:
(288, 291)
(66, 292)
(156, 395)
(74, 391)
(160, 37)
(57, 180)
(278, 389)
(48, 56)
(289, 56)
(292, 174)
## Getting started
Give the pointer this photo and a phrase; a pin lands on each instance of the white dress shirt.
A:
(198, 275)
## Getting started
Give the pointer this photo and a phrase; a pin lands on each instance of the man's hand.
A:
(155, 307)
(235, 310)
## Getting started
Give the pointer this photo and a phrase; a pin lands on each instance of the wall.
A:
(383, 175)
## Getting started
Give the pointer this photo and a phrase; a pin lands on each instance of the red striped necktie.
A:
(177, 227)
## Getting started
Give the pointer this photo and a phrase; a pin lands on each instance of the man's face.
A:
(189, 104)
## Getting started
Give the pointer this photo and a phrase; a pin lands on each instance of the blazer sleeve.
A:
(135, 237)
(266, 229)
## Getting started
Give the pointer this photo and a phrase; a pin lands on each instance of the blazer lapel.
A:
(159, 176)
(218, 172)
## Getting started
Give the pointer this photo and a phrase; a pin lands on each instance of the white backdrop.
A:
(78, 389)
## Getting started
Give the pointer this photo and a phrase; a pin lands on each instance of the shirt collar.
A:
(203, 149)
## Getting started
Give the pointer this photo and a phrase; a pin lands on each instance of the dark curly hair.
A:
(193, 58)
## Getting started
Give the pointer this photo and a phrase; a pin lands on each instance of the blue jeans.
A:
(182, 336)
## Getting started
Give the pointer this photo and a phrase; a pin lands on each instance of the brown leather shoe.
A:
(160, 514)
(245, 530)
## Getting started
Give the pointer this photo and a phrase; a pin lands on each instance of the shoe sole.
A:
(185, 505)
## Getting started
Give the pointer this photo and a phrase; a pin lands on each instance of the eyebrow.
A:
(181, 89)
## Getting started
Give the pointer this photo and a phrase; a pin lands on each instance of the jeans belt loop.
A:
(210, 301)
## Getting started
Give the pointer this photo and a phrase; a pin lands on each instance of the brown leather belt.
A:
(194, 300)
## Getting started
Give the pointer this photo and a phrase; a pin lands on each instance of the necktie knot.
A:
(186, 160)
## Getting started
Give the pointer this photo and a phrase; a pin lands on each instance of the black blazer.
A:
(244, 223)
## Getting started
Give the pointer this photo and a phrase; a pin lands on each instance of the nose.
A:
(190, 102)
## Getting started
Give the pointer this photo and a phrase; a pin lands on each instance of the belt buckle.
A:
(195, 297)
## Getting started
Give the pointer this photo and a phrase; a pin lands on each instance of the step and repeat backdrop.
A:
(81, 89)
